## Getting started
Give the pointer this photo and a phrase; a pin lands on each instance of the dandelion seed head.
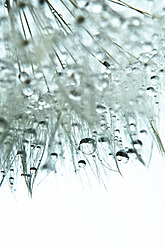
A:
(82, 80)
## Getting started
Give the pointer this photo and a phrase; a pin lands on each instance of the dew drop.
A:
(11, 180)
(100, 108)
(27, 91)
(33, 169)
(87, 146)
(150, 91)
(30, 134)
(122, 156)
(54, 155)
(137, 144)
(26, 175)
(81, 163)
(24, 77)
(43, 124)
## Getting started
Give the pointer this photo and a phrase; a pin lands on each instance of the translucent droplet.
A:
(11, 180)
(81, 163)
(33, 169)
(87, 146)
(122, 156)
(30, 134)
(75, 95)
(26, 175)
(43, 124)
(132, 127)
(27, 91)
(54, 155)
(150, 91)
(24, 77)
(100, 108)
(137, 144)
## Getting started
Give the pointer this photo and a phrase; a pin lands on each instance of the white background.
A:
(131, 213)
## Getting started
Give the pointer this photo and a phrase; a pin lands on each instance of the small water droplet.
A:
(87, 146)
(81, 163)
(30, 134)
(122, 156)
(43, 124)
(132, 127)
(24, 77)
(54, 155)
(11, 180)
(137, 144)
(26, 175)
(27, 91)
(75, 95)
(100, 108)
(150, 91)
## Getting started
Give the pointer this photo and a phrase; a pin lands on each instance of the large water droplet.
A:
(122, 156)
(87, 146)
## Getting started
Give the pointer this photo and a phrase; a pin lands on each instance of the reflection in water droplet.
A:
(122, 156)
(87, 146)
(81, 163)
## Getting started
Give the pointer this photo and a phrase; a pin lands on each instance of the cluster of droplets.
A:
(79, 82)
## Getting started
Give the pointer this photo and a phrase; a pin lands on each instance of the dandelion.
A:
(80, 81)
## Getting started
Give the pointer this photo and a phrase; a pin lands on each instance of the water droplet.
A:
(137, 144)
(122, 156)
(150, 91)
(43, 124)
(11, 180)
(132, 127)
(100, 108)
(27, 91)
(33, 169)
(25, 175)
(30, 134)
(87, 146)
(54, 155)
(24, 77)
(81, 163)
(75, 95)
